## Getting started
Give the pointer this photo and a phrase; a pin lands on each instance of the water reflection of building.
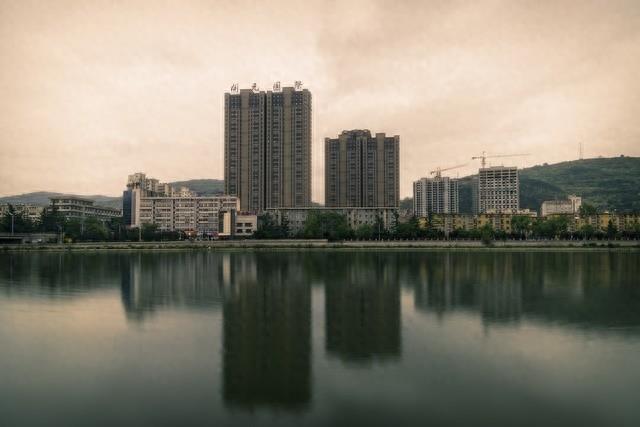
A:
(580, 288)
(152, 280)
(362, 305)
(484, 283)
(267, 332)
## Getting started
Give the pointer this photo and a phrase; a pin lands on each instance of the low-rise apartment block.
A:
(296, 217)
(194, 214)
(148, 201)
(561, 207)
(74, 207)
(234, 224)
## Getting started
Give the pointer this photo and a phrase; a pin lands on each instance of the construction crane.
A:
(484, 156)
(439, 170)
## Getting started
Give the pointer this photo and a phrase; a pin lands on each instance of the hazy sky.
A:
(91, 91)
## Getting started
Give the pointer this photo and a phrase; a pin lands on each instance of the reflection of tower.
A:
(267, 328)
(363, 311)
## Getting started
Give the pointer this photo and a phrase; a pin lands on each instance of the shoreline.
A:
(529, 245)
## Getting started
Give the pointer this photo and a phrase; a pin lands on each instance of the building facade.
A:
(362, 170)
(232, 223)
(435, 195)
(560, 207)
(498, 189)
(197, 215)
(33, 212)
(296, 217)
(73, 207)
(148, 201)
(267, 147)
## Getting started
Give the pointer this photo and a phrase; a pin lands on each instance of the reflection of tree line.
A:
(587, 289)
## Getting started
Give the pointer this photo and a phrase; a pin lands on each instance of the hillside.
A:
(41, 198)
(204, 187)
(608, 183)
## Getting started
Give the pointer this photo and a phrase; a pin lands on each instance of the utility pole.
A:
(13, 214)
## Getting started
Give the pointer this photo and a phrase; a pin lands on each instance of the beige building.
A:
(558, 207)
(435, 195)
(188, 214)
(148, 201)
(267, 147)
(362, 170)
(234, 224)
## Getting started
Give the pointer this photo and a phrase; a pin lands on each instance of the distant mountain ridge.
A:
(204, 187)
(608, 183)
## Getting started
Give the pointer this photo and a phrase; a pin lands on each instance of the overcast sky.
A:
(91, 91)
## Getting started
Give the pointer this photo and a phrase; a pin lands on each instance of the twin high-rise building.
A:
(362, 170)
(437, 195)
(267, 147)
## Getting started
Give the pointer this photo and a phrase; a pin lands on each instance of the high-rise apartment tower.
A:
(362, 170)
(435, 195)
(267, 147)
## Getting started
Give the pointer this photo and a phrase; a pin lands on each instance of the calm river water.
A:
(320, 338)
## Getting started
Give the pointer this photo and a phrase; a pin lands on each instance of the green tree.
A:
(364, 232)
(150, 232)
(74, 229)
(51, 220)
(587, 231)
(94, 230)
(327, 225)
(521, 225)
(487, 234)
(409, 229)
(19, 221)
(587, 210)
(269, 229)
(612, 230)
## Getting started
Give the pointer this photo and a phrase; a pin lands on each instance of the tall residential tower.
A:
(362, 170)
(435, 195)
(267, 147)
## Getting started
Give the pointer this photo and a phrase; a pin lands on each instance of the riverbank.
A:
(324, 244)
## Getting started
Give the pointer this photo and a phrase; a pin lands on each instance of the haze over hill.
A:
(608, 183)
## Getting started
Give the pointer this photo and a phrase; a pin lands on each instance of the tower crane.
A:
(484, 157)
(438, 171)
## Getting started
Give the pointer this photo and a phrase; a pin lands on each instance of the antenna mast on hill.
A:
(580, 151)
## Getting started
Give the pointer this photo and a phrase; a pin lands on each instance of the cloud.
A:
(92, 91)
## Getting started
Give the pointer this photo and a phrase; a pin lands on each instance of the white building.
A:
(234, 224)
(32, 212)
(199, 215)
(497, 189)
(148, 201)
(73, 207)
(558, 207)
(435, 195)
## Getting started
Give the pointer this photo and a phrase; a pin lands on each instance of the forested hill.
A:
(608, 183)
